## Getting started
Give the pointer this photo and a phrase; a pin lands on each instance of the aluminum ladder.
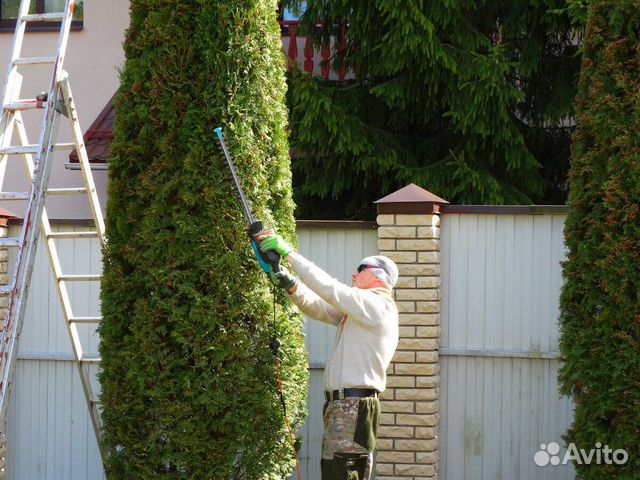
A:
(53, 104)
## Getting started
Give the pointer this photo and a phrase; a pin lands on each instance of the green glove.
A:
(283, 279)
(276, 243)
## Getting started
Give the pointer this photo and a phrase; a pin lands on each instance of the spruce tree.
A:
(188, 378)
(470, 99)
(600, 312)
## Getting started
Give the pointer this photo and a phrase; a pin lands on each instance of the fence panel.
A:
(501, 281)
(337, 251)
(50, 436)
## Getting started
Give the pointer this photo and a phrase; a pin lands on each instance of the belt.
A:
(350, 392)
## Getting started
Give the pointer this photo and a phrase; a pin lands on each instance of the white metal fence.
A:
(499, 400)
(337, 251)
(501, 281)
(49, 433)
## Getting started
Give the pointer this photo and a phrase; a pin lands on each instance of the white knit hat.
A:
(385, 269)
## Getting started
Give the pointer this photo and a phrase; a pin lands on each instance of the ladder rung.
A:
(66, 191)
(5, 289)
(34, 60)
(33, 149)
(96, 402)
(73, 235)
(44, 17)
(79, 278)
(19, 150)
(24, 105)
(10, 242)
(90, 360)
(15, 195)
(85, 319)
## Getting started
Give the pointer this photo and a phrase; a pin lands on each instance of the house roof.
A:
(7, 217)
(99, 136)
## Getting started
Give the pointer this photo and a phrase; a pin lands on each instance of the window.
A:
(290, 16)
(9, 12)
(293, 14)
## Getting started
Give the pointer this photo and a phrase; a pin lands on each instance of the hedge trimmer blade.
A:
(245, 203)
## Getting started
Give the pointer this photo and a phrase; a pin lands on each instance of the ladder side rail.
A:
(65, 302)
(7, 123)
(55, 98)
(54, 261)
(93, 405)
(8, 335)
(83, 157)
(63, 39)
(72, 330)
(26, 252)
(16, 47)
(46, 228)
(74, 336)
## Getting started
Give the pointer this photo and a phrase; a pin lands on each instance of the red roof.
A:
(99, 136)
(7, 217)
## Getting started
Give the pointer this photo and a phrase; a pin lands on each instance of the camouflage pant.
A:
(350, 429)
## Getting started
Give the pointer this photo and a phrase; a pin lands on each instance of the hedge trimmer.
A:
(270, 263)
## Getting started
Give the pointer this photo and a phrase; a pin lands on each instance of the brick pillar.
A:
(4, 276)
(409, 234)
(6, 218)
(4, 303)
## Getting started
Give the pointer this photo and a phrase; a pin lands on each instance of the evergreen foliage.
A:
(469, 99)
(600, 313)
(188, 378)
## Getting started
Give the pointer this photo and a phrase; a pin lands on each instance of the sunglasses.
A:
(365, 267)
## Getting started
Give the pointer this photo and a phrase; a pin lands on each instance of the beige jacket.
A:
(367, 323)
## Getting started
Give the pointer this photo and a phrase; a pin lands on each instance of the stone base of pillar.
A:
(4, 303)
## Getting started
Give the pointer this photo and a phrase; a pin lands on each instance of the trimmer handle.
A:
(269, 261)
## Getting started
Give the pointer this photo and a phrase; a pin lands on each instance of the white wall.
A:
(93, 57)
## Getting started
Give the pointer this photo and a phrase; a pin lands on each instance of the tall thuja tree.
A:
(600, 310)
(188, 378)
(469, 98)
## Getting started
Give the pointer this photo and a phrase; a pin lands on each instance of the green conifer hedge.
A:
(600, 313)
(188, 379)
